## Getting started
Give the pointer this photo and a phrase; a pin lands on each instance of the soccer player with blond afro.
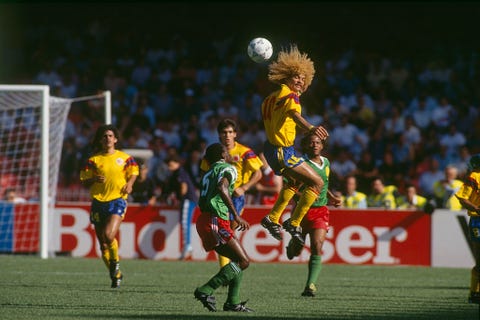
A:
(293, 71)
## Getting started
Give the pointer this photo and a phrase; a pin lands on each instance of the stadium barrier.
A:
(361, 237)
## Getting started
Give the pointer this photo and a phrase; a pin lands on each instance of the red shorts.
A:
(316, 218)
(213, 231)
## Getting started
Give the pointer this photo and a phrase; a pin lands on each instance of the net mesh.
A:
(20, 164)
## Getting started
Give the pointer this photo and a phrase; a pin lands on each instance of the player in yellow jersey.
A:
(293, 71)
(110, 175)
(469, 197)
(247, 163)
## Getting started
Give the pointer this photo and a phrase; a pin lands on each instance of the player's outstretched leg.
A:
(294, 248)
(296, 232)
(272, 227)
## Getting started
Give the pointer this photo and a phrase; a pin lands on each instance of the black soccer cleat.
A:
(116, 282)
(294, 248)
(114, 269)
(207, 300)
(273, 228)
(295, 232)
(474, 297)
(240, 307)
(309, 291)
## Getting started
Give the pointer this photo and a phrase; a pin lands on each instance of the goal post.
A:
(32, 127)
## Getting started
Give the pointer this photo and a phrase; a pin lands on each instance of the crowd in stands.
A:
(408, 123)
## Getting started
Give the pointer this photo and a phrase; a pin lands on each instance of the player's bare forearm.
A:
(225, 195)
(127, 189)
(469, 205)
(254, 178)
(333, 199)
(306, 126)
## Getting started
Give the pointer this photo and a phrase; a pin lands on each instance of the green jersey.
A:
(323, 171)
(210, 200)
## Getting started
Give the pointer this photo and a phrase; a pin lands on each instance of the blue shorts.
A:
(100, 211)
(474, 229)
(279, 158)
(239, 204)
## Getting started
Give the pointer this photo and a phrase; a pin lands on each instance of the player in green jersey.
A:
(213, 227)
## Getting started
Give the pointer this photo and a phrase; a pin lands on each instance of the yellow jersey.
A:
(357, 200)
(117, 168)
(447, 194)
(386, 199)
(470, 190)
(279, 127)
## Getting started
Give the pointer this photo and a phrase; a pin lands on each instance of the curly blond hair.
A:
(291, 62)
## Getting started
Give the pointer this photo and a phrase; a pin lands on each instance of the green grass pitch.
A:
(79, 288)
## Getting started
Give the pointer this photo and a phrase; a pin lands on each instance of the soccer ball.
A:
(260, 50)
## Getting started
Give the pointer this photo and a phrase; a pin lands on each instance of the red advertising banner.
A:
(355, 237)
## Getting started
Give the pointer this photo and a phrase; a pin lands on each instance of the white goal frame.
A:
(45, 204)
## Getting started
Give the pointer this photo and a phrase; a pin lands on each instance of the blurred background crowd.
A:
(397, 86)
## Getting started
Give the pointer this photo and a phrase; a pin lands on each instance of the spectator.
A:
(343, 165)
(181, 187)
(443, 115)
(143, 190)
(446, 188)
(428, 178)
(353, 199)
(366, 171)
(382, 196)
(453, 140)
(412, 200)
(10, 195)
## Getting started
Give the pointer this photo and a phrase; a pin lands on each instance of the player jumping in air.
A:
(213, 227)
(281, 113)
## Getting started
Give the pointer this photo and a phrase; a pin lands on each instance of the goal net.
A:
(32, 126)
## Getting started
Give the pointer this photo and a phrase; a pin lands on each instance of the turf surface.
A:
(77, 288)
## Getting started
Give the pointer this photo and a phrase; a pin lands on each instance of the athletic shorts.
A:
(316, 218)
(100, 211)
(213, 231)
(474, 228)
(279, 158)
(239, 204)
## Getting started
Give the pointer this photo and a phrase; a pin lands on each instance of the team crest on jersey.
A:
(119, 161)
(236, 158)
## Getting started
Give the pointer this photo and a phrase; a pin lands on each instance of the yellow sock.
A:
(113, 250)
(304, 203)
(474, 278)
(286, 194)
(106, 257)
(223, 261)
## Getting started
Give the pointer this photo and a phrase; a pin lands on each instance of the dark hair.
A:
(225, 123)
(214, 152)
(474, 162)
(305, 141)
(173, 158)
(97, 140)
